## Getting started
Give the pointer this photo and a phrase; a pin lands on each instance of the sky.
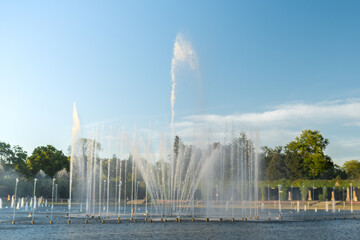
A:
(272, 67)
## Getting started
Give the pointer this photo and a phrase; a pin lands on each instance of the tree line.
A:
(301, 159)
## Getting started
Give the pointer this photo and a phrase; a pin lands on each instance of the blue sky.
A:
(295, 61)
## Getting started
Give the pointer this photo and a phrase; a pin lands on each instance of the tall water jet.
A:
(15, 196)
(182, 53)
(100, 175)
(74, 137)
(34, 206)
(94, 172)
(108, 179)
(52, 198)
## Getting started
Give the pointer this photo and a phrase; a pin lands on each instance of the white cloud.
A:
(290, 114)
(282, 124)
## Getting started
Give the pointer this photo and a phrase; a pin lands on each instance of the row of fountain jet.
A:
(180, 180)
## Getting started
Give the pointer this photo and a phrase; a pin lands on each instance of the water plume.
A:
(75, 135)
(183, 53)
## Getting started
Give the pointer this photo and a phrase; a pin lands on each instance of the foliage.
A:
(5, 153)
(294, 165)
(17, 161)
(48, 159)
(276, 168)
(310, 145)
(13, 157)
(302, 158)
(352, 169)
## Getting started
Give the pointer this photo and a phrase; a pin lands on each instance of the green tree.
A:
(13, 157)
(48, 159)
(310, 145)
(276, 169)
(294, 165)
(352, 168)
(265, 157)
(17, 161)
(5, 153)
(339, 173)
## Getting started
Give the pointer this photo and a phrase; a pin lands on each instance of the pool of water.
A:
(338, 228)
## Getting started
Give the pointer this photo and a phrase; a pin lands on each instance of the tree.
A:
(294, 165)
(311, 146)
(352, 168)
(13, 157)
(276, 169)
(18, 159)
(338, 173)
(5, 153)
(266, 157)
(48, 159)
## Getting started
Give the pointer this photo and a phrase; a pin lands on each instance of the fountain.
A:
(215, 180)
(218, 180)
(177, 181)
